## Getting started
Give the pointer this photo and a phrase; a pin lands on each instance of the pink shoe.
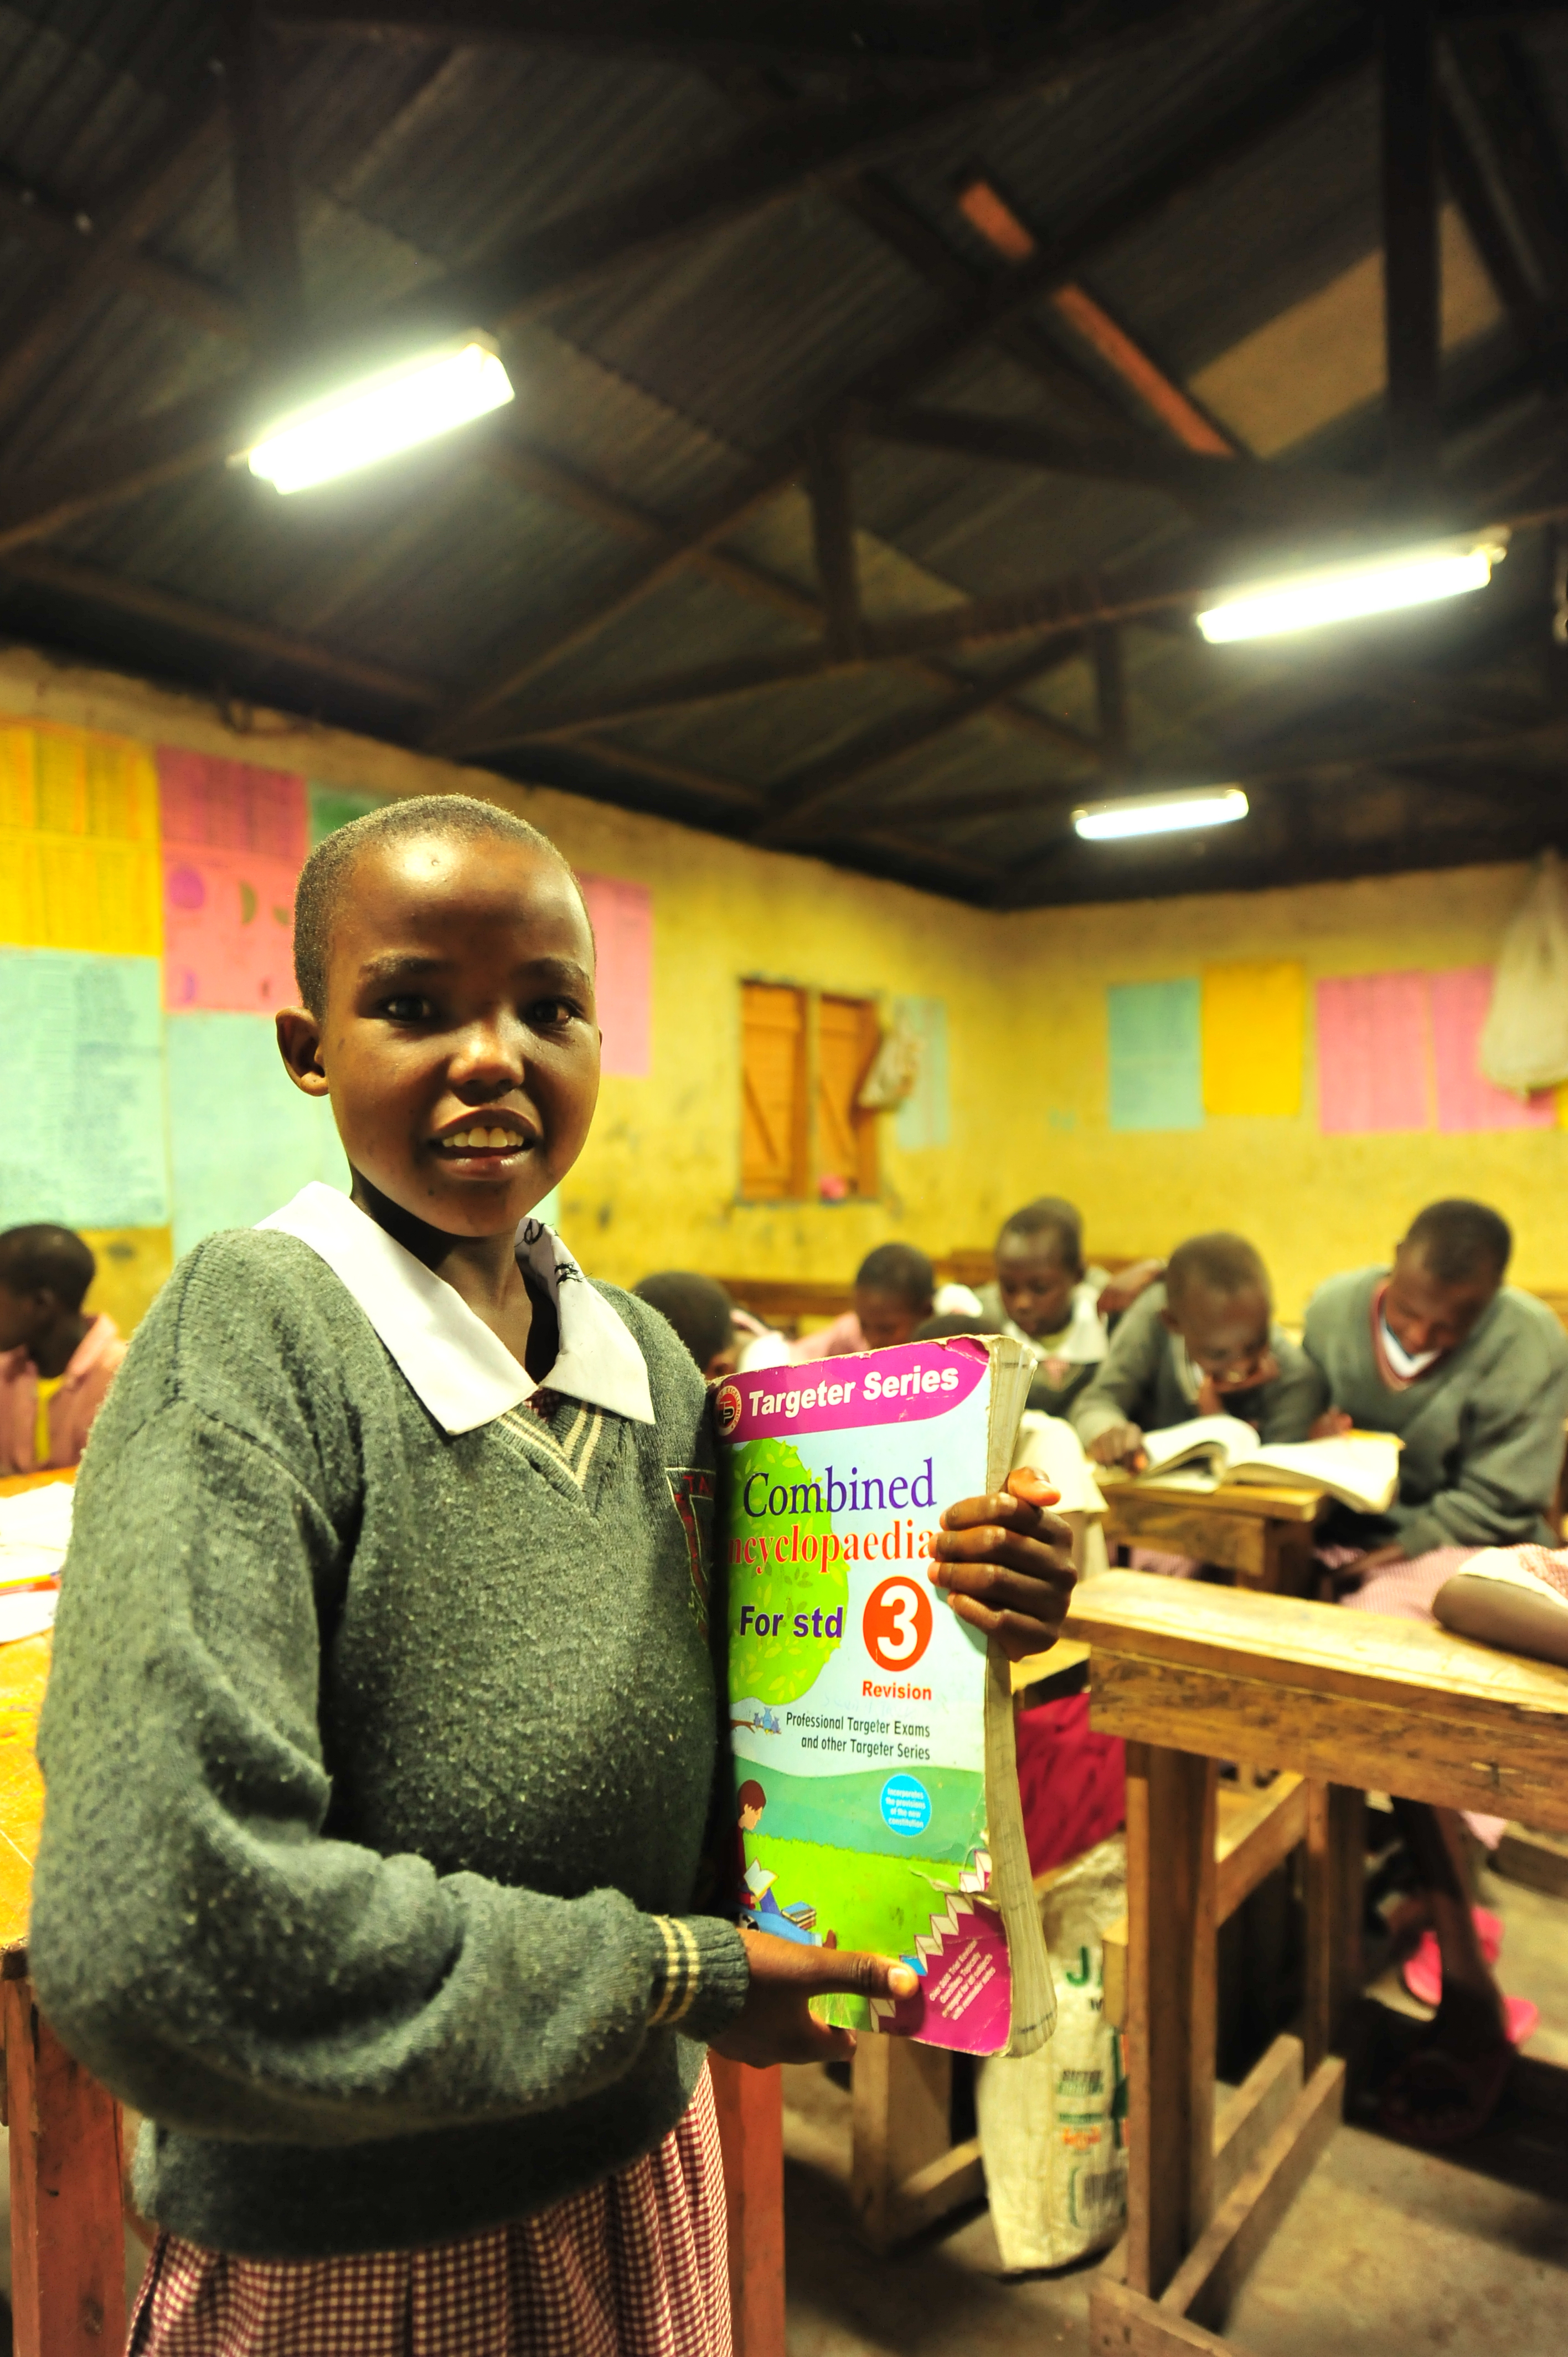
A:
(1422, 1974)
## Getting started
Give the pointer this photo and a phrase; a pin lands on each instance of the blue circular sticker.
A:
(905, 1806)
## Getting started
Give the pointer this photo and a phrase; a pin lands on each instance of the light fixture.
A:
(1172, 813)
(383, 413)
(1382, 585)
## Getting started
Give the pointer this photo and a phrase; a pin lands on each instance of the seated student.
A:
(1473, 1376)
(1201, 1343)
(1470, 1373)
(1049, 1445)
(893, 1293)
(57, 1360)
(1045, 1297)
(701, 1314)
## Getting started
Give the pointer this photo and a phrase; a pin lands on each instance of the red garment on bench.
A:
(1074, 1782)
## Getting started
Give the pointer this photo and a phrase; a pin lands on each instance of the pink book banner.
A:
(1466, 1098)
(622, 918)
(1372, 1033)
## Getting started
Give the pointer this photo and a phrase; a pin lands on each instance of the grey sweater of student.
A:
(1482, 1431)
(378, 1763)
(1138, 1383)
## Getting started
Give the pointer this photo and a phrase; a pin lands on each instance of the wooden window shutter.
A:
(847, 1034)
(773, 1091)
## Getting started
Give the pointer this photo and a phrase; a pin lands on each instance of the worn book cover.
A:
(876, 1792)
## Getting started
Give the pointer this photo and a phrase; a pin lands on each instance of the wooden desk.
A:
(1192, 1674)
(68, 2246)
(1265, 1535)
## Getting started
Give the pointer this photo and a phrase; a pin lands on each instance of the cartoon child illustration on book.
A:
(753, 1895)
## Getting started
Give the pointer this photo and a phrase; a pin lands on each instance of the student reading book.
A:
(876, 1793)
(1360, 1469)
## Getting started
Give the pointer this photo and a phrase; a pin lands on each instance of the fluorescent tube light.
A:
(382, 415)
(1414, 577)
(1173, 812)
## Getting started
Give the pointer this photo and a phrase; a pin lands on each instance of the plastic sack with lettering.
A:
(1053, 2124)
(1524, 1040)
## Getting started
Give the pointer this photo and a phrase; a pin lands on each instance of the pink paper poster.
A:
(1466, 1099)
(227, 931)
(233, 843)
(1372, 1053)
(622, 918)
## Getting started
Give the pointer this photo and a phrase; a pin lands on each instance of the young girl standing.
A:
(380, 1733)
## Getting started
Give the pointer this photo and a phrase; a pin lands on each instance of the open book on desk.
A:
(1360, 1469)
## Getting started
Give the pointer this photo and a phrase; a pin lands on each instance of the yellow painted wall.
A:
(1025, 1000)
(1312, 1204)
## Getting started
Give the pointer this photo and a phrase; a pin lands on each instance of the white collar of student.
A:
(463, 1373)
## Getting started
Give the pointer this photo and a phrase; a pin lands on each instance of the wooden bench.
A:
(1190, 1675)
(1263, 1536)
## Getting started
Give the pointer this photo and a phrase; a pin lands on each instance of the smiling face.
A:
(1422, 1313)
(458, 1041)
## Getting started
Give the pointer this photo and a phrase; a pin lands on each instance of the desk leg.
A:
(1336, 1889)
(1171, 2010)
(67, 2245)
(750, 2106)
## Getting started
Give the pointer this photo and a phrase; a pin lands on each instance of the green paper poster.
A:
(83, 1139)
(1156, 1054)
(333, 806)
(244, 1139)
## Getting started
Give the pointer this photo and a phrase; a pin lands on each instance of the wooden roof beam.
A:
(259, 641)
(553, 478)
(96, 248)
(804, 32)
(264, 221)
(1499, 87)
(833, 538)
(1197, 481)
(1411, 268)
(802, 798)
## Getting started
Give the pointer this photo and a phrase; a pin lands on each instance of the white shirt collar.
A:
(463, 1373)
(1406, 1364)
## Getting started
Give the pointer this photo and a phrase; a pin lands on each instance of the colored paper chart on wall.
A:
(79, 842)
(1466, 1099)
(1372, 1053)
(333, 806)
(1156, 1078)
(233, 844)
(242, 1138)
(1254, 1037)
(925, 1117)
(133, 1262)
(622, 918)
(82, 1141)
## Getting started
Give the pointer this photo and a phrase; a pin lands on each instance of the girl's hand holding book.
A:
(775, 2024)
(1006, 1564)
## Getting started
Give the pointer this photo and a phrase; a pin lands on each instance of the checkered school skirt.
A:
(634, 2267)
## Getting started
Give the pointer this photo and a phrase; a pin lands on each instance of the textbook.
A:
(1360, 1469)
(875, 1790)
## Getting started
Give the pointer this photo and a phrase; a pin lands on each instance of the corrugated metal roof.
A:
(661, 383)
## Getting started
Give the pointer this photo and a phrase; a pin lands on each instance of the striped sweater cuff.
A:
(700, 1975)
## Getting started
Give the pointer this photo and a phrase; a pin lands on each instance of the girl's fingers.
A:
(822, 1972)
(1005, 1590)
(1025, 1514)
(1015, 1632)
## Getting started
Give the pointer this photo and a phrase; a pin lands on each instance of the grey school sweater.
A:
(378, 1760)
(1138, 1383)
(1482, 1430)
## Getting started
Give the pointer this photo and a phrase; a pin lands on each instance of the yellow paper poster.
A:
(1254, 1032)
(79, 842)
(132, 1263)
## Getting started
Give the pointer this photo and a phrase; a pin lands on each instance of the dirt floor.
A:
(1385, 2249)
